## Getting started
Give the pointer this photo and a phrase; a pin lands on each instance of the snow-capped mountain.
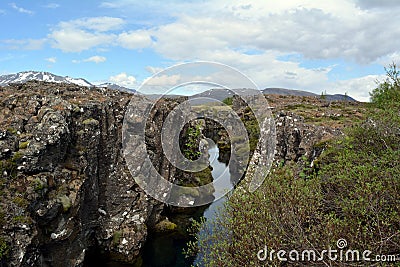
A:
(25, 76)
(115, 87)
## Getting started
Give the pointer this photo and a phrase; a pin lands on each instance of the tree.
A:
(388, 92)
(323, 95)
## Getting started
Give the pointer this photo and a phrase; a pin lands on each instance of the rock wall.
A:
(64, 183)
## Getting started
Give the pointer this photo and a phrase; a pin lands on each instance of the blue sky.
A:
(336, 46)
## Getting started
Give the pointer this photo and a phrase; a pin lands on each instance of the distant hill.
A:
(221, 94)
(283, 91)
(214, 94)
(116, 87)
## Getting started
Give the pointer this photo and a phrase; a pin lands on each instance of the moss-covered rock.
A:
(65, 201)
(23, 145)
(91, 121)
(165, 226)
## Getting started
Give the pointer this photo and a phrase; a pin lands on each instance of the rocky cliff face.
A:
(63, 180)
(64, 183)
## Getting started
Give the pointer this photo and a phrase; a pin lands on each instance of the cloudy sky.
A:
(337, 46)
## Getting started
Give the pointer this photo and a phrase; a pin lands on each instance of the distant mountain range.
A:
(25, 76)
(218, 94)
(221, 94)
(283, 91)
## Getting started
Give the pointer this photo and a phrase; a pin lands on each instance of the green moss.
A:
(65, 201)
(90, 121)
(204, 177)
(22, 219)
(21, 202)
(253, 131)
(10, 165)
(39, 185)
(4, 249)
(12, 130)
(228, 101)
(23, 145)
(17, 156)
(165, 226)
(76, 109)
(116, 237)
(2, 217)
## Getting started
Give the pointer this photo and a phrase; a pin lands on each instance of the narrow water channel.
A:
(166, 249)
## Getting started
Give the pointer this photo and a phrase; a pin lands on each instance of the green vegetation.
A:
(351, 192)
(228, 101)
(22, 219)
(65, 201)
(12, 130)
(165, 226)
(203, 177)
(20, 201)
(10, 165)
(4, 249)
(23, 145)
(39, 185)
(387, 93)
(116, 237)
(323, 95)
(190, 148)
(90, 121)
(252, 127)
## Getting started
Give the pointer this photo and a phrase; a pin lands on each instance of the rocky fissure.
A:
(64, 183)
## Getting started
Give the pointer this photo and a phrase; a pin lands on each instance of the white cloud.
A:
(109, 5)
(51, 59)
(95, 59)
(163, 80)
(251, 36)
(99, 24)
(163, 84)
(77, 40)
(135, 39)
(357, 88)
(52, 5)
(123, 79)
(153, 70)
(83, 34)
(315, 29)
(28, 44)
(21, 10)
